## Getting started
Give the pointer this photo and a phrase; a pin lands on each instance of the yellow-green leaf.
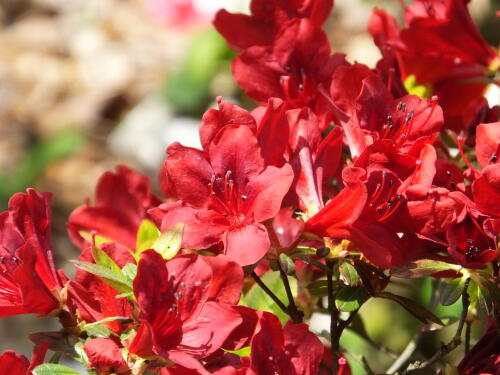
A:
(147, 234)
(169, 242)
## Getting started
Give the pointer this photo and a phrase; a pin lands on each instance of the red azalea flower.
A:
(105, 357)
(268, 123)
(12, 363)
(442, 47)
(370, 212)
(179, 319)
(91, 298)
(373, 115)
(225, 193)
(284, 350)
(28, 279)
(121, 202)
(297, 68)
(242, 31)
(314, 160)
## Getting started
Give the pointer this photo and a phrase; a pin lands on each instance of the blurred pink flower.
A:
(176, 13)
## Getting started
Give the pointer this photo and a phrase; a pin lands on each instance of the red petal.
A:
(303, 347)
(344, 208)
(13, 364)
(104, 355)
(191, 278)
(488, 143)
(189, 173)
(227, 280)
(236, 150)
(248, 244)
(207, 332)
(202, 228)
(266, 192)
(214, 120)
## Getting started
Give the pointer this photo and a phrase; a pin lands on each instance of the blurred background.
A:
(86, 85)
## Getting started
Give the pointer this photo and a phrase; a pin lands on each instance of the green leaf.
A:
(130, 271)
(169, 242)
(318, 288)
(490, 292)
(243, 352)
(54, 369)
(99, 240)
(103, 259)
(147, 234)
(350, 298)
(421, 268)
(302, 250)
(287, 264)
(114, 278)
(348, 274)
(97, 330)
(419, 312)
(257, 299)
(450, 291)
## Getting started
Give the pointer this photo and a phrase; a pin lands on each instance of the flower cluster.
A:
(341, 178)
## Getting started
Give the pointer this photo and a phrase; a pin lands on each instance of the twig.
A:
(334, 316)
(455, 341)
(468, 327)
(405, 355)
(292, 309)
(413, 344)
(270, 293)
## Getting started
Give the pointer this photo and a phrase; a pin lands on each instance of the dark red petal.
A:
(328, 154)
(151, 285)
(303, 347)
(191, 278)
(32, 214)
(242, 31)
(273, 132)
(236, 150)
(12, 363)
(227, 280)
(189, 173)
(105, 356)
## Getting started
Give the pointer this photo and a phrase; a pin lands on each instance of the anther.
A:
(244, 197)
(493, 158)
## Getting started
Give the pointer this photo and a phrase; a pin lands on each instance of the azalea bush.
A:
(343, 182)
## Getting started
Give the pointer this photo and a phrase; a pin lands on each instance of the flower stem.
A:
(455, 341)
(334, 318)
(270, 293)
(294, 312)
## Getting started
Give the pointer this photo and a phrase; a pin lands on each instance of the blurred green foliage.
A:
(35, 161)
(188, 88)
